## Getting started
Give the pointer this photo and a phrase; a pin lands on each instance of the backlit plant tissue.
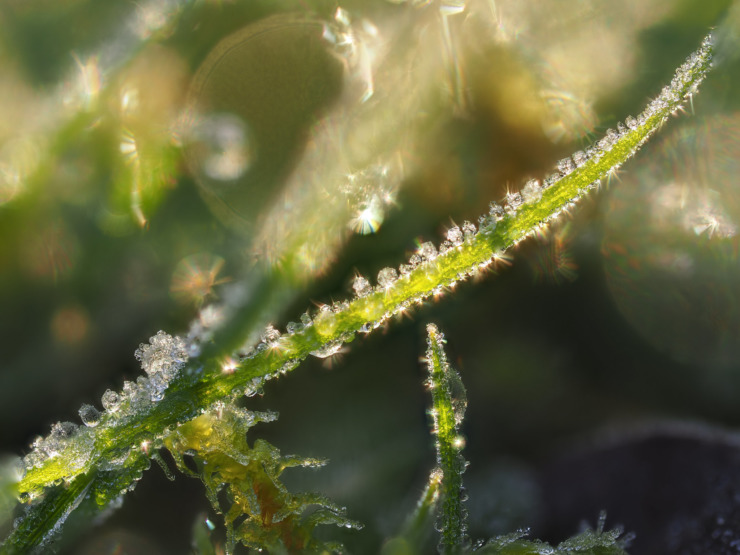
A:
(299, 188)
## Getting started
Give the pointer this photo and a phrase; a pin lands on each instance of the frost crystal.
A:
(361, 286)
(428, 251)
(468, 229)
(89, 415)
(496, 211)
(293, 327)
(161, 359)
(164, 354)
(270, 335)
(387, 277)
(631, 122)
(580, 158)
(111, 400)
(532, 191)
(514, 201)
(566, 166)
(455, 236)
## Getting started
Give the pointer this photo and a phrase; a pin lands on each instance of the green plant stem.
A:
(451, 518)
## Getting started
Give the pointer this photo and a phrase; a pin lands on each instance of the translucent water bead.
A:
(89, 415)
(111, 400)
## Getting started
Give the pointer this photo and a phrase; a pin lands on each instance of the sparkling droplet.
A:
(329, 349)
(414, 260)
(270, 335)
(111, 400)
(458, 442)
(361, 286)
(532, 191)
(455, 235)
(89, 415)
(631, 122)
(387, 277)
(428, 251)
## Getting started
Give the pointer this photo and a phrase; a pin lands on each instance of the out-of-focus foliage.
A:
(135, 184)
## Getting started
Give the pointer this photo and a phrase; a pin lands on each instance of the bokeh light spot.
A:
(671, 246)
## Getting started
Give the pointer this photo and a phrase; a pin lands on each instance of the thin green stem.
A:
(447, 414)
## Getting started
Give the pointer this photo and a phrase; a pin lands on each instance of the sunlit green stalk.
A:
(447, 414)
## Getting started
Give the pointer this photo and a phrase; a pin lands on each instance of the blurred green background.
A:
(626, 314)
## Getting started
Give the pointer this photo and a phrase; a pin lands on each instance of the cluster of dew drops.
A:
(164, 356)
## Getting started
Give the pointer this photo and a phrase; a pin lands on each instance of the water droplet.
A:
(156, 387)
(306, 319)
(329, 349)
(270, 335)
(387, 277)
(89, 415)
(293, 327)
(111, 400)
(532, 191)
(468, 229)
(458, 442)
(414, 260)
(361, 286)
(428, 251)
(631, 122)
